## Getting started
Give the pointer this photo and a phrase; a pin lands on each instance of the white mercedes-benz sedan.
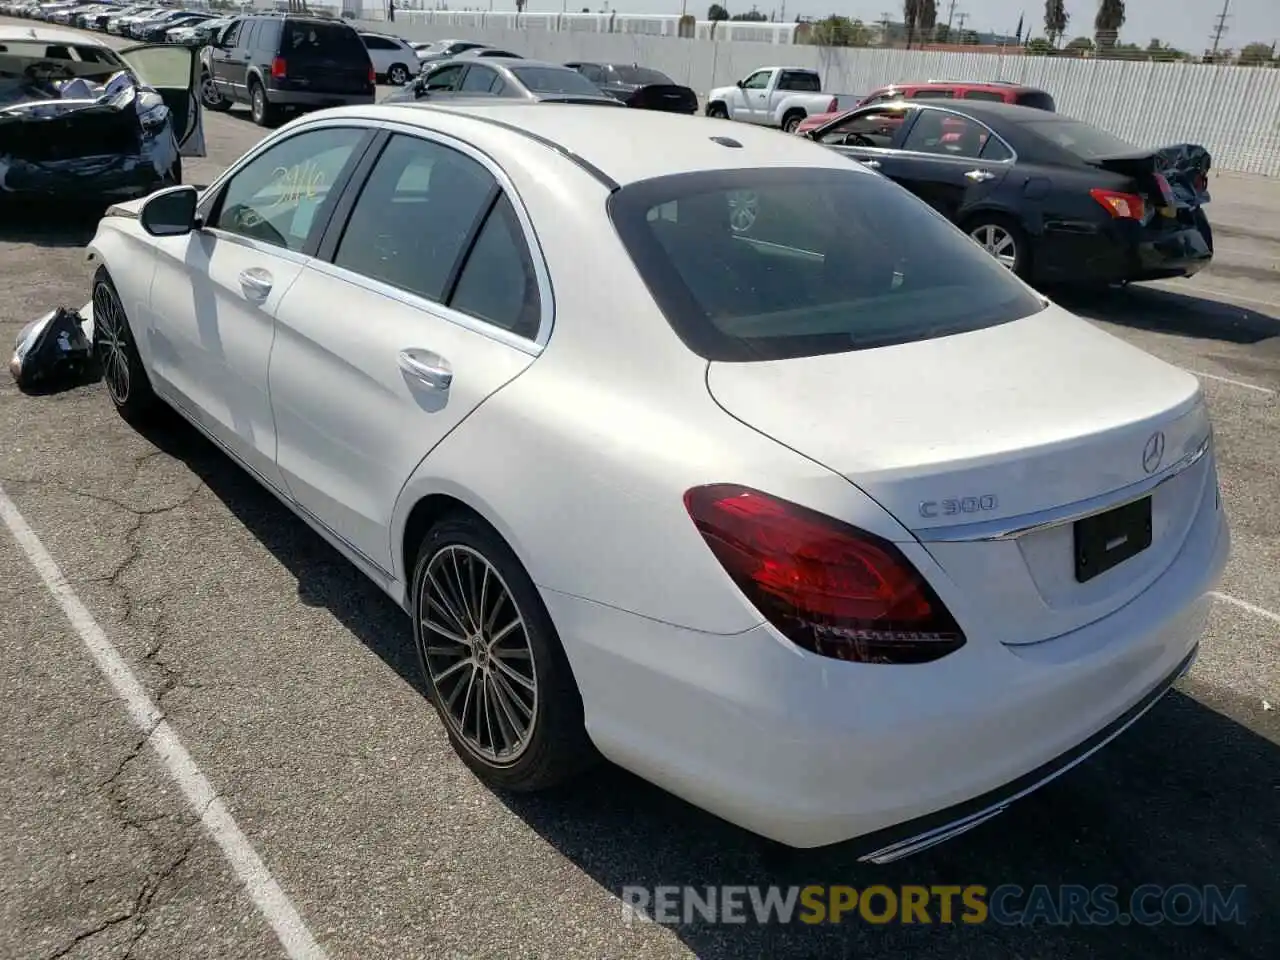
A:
(725, 458)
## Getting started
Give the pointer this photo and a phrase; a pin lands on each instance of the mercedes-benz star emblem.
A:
(1153, 452)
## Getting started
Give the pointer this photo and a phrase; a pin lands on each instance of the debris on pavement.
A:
(51, 351)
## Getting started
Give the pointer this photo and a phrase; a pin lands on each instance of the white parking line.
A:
(267, 895)
(1235, 383)
(1253, 608)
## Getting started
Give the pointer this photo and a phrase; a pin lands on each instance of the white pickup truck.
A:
(772, 97)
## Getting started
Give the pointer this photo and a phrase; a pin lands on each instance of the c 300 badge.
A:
(957, 506)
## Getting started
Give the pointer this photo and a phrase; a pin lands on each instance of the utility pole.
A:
(962, 17)
(1220, 25)
(951, 15)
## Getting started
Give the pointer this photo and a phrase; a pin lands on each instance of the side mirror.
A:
(170, 212)
(739, 84)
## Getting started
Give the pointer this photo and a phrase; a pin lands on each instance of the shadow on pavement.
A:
(1187, 796)
(49, 225)
(1180, 314)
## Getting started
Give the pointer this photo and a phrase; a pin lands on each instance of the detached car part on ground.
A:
(1054, 199)
(98, 131)
(890, 542)
(639, 87)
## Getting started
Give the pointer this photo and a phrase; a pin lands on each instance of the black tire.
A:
(264, 114)
(210, 98)
(792, 120)
(117, 357)
(718, 111)
(397, 75)
(555, 747)
(977, 227)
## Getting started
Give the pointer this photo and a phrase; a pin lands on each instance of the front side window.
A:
(275, 197)
(867, 128)
(757, 81)
(767, 264)
(446, 78)
(414, 216)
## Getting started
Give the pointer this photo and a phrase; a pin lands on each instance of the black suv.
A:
(276, 62)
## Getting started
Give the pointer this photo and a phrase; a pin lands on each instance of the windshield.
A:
(1082, 139)
(556, 80)
(769, 264)
(640, 75)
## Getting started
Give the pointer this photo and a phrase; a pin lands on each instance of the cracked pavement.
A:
(292, 682)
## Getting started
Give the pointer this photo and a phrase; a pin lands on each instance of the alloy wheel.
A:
(398, 76)
(110, 330)
(477, 653)
(209, 94)
(998, 242)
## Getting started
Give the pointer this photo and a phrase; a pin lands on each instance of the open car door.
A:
(173, 71)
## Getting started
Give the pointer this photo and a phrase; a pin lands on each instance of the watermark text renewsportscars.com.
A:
(1005, 905)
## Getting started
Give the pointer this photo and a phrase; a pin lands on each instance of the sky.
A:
(1186, 24)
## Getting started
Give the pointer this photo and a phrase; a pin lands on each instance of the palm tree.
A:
(1107, 24)
(1055, 20)
(910, 17)
(928, 17)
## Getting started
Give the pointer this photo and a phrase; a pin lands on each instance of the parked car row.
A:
(153, 23)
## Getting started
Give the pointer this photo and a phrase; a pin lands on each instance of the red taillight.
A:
(831, 107)
(278, 68)
(828, 587)
(1124, 206)
(373, 76)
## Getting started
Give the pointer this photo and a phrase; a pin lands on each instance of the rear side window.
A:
(774, 263)
(1037, 99)
(933, 95)
(554, 80)
(641, 75)
(1081, 139)
(268, 36)
(321, 40)
(984, 95)
(796, 81)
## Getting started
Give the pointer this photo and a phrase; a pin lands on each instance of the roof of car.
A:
(498, 61)
(48, 35)
(953, 84)
(603, 136)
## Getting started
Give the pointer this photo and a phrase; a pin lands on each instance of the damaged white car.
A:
(80, 121)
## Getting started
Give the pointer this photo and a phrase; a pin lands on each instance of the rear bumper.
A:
(810, 752)
(1122, 252)
(307, 99)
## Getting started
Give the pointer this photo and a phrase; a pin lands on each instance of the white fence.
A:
(1233, 111)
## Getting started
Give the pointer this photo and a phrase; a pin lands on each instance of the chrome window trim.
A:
(1013, 528)
(899, 152)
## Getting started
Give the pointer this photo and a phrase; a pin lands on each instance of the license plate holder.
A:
(1108, 539)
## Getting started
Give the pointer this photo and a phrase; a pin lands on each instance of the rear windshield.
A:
(554, 80)
(768, 264)
(302, 38)
(1037, 100)
(1082, 139)
(640, 75)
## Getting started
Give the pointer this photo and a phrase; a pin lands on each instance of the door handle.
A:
(873, 164)
(426, 367)
(980, 176)
(255, 282)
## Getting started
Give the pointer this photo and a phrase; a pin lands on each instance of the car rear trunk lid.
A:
(968, 438)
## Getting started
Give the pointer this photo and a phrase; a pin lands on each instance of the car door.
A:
(210, 322)
(871, 135)
(174, 73)
(230, 61)
(424, 299)
(754, 104)
(951, 161)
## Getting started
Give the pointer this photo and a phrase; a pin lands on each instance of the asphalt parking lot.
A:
(292, 684)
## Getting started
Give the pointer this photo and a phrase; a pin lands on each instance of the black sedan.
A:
(516, 79)
(1054, 199)
(638, 86)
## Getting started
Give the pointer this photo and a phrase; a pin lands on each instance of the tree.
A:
(1056, 19)
(1256, 54)
(1081, 45)
(911, 18)
(1107, 24)
(717, 12)
(928, 17)
(1039, 47)
(941, 33)
(753, 16)
(841, 32)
